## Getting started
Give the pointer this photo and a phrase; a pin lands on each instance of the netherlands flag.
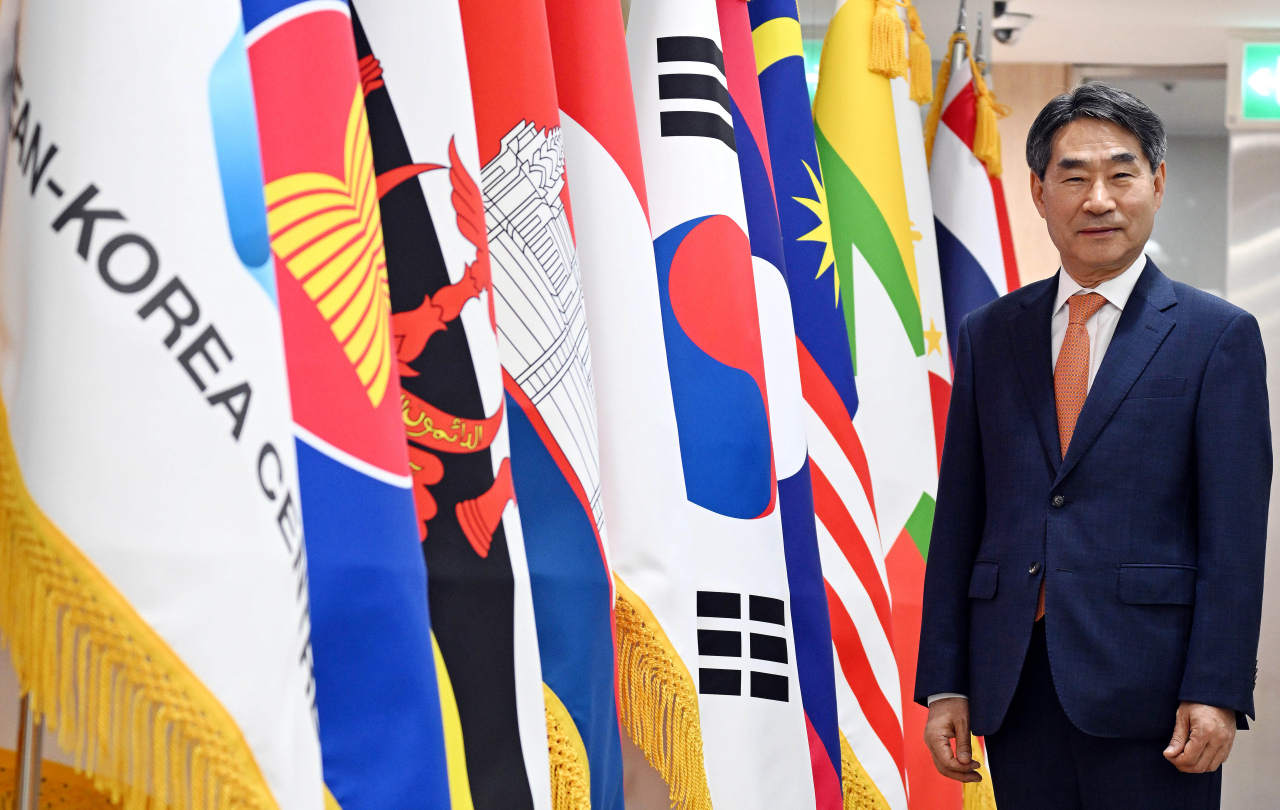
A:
(975, 245)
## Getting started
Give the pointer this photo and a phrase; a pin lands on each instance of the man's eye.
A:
(1122, 174)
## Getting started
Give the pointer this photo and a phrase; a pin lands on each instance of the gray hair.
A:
(1102, 103)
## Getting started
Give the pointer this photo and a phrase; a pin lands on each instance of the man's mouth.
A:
(1098, 231)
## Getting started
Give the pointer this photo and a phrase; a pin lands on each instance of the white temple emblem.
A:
(538, 293)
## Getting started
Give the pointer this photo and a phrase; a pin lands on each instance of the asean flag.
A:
(381, 732)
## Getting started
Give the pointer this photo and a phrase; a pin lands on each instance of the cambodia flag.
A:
(547, 375)
(380, 724)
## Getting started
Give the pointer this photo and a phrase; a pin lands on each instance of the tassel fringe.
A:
(570, 779)
(891, 58)
(860, 793)
(658, 704)
(921, 60)
(986, 136)
(979, 795)
(940, 93)
(888, 48)
(141, 726)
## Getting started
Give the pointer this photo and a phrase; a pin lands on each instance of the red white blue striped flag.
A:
(975, 246)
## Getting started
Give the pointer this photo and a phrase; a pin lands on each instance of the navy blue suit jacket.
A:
(1149, 535)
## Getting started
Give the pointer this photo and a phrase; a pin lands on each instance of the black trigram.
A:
(720, 680)
(701, 86)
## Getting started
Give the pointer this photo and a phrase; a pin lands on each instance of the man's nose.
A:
(1099, 200)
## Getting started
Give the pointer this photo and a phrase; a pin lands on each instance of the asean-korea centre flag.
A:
(147, 449)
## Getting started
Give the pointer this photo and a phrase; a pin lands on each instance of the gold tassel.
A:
(940, 93)
(979, 795)
(986, 136)
(921, 60)
(99, 676)
(570, 774)
(888, 51)
(860, 793)
(658, 704)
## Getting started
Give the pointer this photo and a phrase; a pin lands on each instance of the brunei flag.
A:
(726, 324)
(153, 577)
(413, 67)
(380, 713)
(546, 364)
(886, 277)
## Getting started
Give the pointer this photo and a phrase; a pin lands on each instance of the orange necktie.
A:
(1071, 379)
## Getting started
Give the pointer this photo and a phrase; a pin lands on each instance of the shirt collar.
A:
(1116, 290)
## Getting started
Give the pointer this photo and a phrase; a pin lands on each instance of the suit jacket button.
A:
(1035, 568)
(1058, 500)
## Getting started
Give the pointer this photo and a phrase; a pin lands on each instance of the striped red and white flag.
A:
(975, 245)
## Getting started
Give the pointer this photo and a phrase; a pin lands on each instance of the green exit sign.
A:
(1261, 79)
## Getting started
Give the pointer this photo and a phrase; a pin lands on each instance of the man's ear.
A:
(1158, 181)
(1037, 192)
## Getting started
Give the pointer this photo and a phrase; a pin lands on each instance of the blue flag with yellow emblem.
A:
(381, 733)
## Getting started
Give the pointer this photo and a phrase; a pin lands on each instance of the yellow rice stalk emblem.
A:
(328, 233)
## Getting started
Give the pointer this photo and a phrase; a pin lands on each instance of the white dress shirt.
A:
(1101, 328)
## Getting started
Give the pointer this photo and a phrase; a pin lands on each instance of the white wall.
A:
(1191, 226)
(1251, 778)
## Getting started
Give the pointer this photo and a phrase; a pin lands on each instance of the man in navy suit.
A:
(1094, 584)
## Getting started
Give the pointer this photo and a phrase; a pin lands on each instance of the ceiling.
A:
(1132, 32)
(937, 16)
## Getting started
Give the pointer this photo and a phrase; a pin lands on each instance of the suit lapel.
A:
(1142, 328)
(1030, 335)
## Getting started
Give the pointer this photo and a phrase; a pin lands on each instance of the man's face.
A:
(1099, 197)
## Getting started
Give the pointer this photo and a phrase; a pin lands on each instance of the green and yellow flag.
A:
(890, 295)
(871, 149)
(858, 147)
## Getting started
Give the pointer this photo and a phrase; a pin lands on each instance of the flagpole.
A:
(29, 756)
(979, 51)
(958, 54)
